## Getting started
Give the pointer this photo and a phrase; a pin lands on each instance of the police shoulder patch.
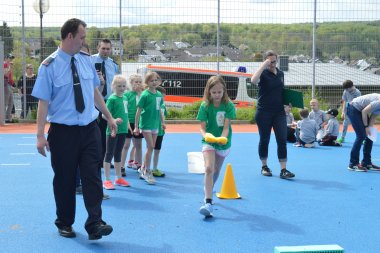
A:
(48, 60)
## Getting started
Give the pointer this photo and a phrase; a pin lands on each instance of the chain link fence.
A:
(321, 42)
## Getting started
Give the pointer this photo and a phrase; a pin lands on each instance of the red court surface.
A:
(171, 128)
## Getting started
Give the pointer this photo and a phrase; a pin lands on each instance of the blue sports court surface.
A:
(324, 204)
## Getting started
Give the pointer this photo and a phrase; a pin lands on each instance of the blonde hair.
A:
(118, 79)
(133, 77)
(314, 101)
(212, 81)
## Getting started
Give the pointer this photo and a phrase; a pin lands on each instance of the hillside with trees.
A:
(346, 40)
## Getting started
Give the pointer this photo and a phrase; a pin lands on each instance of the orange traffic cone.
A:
(228, 190)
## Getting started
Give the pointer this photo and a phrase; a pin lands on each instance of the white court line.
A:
(22, 153)
(14, 164)
(26, 144)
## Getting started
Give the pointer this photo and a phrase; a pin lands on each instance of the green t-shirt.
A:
(161, 131)
(150, 103)
(118, 108)
(133, 99)
(214, 118)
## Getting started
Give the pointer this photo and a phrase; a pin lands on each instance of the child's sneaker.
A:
(136, 165)
(158, 173)
(108, 185)
(340, 140)
(285, 174)
(297, 144)
(357, 168)
(130, 164)
(123, 173)
(265, 171)
(147, 176)
(206, 210)
(122, 182)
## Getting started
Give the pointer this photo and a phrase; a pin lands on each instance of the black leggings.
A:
(114, 146)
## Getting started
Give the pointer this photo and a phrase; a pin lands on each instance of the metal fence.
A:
(322, 42)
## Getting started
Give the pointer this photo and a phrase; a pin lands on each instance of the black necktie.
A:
(104, 92)
(78, 95)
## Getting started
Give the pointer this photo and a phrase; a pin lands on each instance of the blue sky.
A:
(103, 13)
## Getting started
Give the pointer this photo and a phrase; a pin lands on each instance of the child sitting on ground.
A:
(290, 123)
(319, 116)
(332, 130)
(306, 130)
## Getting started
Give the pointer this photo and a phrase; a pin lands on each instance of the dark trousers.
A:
(73, 148)
(355, 117)
(265, 122)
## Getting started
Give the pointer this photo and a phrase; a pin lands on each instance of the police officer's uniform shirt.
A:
(308, 130)
(289, 119)
(363, 101)
(214, 118)
(55, 84)
(319, 117)
(332, 127)
(151, 107)
(111, 68)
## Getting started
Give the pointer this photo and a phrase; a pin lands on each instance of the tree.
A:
(49, 47)
(6, 35)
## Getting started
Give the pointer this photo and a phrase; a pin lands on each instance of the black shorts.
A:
(130, 135)
(158, 143)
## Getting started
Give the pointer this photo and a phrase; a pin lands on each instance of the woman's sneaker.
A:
(285, 174)
(340, 140)
(265, 171)
(357, 168)
(372, 167)
(206, 210)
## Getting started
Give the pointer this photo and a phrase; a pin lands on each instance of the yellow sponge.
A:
(212, 139)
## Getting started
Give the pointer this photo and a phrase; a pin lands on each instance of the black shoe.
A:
(123, 174)
(285, 174)
(67, 232)
(265, 171)
(99, 230)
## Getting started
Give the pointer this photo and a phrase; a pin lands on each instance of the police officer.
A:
(67, 90)
(108, 68)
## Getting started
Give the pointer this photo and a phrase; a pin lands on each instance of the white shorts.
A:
(152, 131)
(222, 153)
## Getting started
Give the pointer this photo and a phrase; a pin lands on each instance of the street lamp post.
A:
(41, 7)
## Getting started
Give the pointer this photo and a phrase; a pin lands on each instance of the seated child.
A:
(306, 130)
(319, 116)
(332, 130)
(291, 124)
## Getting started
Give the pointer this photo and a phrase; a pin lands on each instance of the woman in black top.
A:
(270, 113)
(31, 102)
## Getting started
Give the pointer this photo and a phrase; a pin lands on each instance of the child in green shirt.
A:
(133, 97)
(118, 107)
(215, 114)
(161, 132)
(148, 117)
